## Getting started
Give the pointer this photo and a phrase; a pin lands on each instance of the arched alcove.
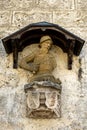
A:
(68, 42)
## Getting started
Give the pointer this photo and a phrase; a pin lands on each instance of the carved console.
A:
(43, 99)
(43, 92)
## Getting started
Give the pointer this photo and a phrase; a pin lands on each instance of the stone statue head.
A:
(46, 40)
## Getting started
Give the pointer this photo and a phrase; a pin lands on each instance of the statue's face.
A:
(47, 44)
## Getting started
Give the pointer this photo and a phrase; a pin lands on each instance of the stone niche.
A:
(43, 91)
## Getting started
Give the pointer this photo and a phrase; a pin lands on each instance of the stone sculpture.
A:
(43, 90)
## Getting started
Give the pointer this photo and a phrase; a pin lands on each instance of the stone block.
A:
(81, 19)
(64, 18)
(22, 18)
(56, 4)
(7, 4)
(17, 4)
(0, 4)
(7, 30)
(70, 18)
(11, 104)
(82, 4)
(5, 18)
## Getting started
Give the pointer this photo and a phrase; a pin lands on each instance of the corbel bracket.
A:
(70, 53)
(14, 43)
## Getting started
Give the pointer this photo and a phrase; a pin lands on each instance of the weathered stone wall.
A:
(70, 14)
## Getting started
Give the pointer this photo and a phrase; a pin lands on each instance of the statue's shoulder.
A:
(30, 50)
(52, 51)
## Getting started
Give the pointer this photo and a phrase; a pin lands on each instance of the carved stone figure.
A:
(41, 63)
(43, 91)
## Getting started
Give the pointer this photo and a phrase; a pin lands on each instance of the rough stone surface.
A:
(22, 18)
(71, 18)
(5, 18)
(70, 14)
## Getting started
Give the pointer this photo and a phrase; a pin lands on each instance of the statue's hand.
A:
(35, 68)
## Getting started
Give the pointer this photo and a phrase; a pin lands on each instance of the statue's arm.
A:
(24, 63)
